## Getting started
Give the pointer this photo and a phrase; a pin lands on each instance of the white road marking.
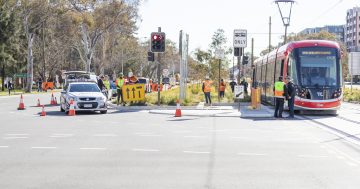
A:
(150, 135)
(251, 154)
(6, 138)
(195, 136)
(92, 148)
(61, 135)
(17, 134)
(340, 157)
(181, 131)
(145, 150)
(311, 156)
(4, 146)
(196, 152)
(105, 135)
(43, 147)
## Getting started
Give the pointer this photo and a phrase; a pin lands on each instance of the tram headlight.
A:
(337, 93)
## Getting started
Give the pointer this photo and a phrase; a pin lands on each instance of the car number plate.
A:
(87, 105)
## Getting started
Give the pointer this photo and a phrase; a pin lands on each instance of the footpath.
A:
(216, 110)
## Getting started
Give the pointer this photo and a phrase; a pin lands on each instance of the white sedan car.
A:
(86, 97)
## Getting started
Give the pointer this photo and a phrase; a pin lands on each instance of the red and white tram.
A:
(313, 65)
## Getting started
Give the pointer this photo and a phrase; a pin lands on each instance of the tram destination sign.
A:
(240, 38)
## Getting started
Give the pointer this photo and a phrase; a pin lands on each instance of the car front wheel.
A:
(103, 112)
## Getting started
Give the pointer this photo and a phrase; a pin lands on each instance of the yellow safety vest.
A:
(120, 83)
(107, 84)
(279, 89)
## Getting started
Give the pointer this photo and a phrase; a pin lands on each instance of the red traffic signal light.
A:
(157, 42)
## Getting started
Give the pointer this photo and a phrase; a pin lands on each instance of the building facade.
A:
(337, 30)
(352, 35)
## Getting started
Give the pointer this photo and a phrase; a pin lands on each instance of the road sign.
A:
(165, 72)
(354, 63)
(21, 75)
(134, 92)
(239, 91)
(219, 54)
(240, 38)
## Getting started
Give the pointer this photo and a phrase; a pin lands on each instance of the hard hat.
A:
(130, 74)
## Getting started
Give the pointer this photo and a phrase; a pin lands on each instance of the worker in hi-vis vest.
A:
(206, 88)
(119, 84)
(279, 97)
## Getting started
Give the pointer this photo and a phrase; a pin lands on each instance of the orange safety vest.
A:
(222, 86)
(207, 86)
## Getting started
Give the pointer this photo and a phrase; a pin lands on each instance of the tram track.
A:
(354, 139)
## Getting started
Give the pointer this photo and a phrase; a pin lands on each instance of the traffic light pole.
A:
(159, 76)
(158, 72)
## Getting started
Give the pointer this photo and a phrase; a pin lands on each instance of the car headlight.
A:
(101, 98)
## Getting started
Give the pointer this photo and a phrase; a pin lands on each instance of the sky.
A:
(201, 18)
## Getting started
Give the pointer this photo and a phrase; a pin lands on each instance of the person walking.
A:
(232, 85)
(279, 97)
(119, 84)
(290, 96)
(222, 88)
(206, 88)
(9, 86)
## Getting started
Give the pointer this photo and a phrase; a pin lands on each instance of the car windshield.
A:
(84, 88)
(318, 66)
(141, 80)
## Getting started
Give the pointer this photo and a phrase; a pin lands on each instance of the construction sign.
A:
(135, 92)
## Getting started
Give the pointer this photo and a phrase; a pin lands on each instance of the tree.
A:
(94, 18)
(9, 29)
(33, 14)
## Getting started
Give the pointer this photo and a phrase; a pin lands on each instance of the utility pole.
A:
(44, 59)
(219, 80)
(252, 62)
(238, 65)
(269, 34)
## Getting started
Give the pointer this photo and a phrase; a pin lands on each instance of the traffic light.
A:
(151, 57)
(237, 52)
(245, 60)
(157, 42)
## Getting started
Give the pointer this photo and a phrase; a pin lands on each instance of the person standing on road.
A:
(279, 97)
(101, 82)
(107, 86)
(39, 83)
(290, 96)
(206, 88)
(222, 88)
(9, 86)
(119, 84)
(232, 85)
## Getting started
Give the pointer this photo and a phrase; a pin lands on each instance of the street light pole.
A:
(285, 7)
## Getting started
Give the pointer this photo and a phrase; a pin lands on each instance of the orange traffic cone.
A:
(72, 108)
(43, 113)
(21, 104)
(38, 103)
(52, 102)
(55, 101)
(178, 110)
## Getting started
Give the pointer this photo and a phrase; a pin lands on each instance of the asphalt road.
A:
(141, 150)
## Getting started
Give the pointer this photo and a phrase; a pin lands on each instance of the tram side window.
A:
(291, 70)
